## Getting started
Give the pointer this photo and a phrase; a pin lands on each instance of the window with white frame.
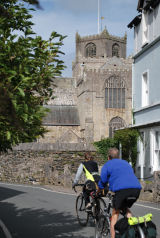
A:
(145, 95)
(141, 154)
(157, 149)
(144, 28)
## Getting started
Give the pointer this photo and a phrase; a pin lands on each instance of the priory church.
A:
(97, 99)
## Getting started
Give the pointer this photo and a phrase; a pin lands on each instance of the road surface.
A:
(36, 212)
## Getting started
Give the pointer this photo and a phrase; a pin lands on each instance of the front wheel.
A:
(102, 227)
(82, 215)
(101, 205)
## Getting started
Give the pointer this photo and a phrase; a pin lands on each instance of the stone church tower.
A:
(103, 78)
(95, 101)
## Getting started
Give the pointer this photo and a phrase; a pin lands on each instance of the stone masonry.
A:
(83, 96)
(57, 169)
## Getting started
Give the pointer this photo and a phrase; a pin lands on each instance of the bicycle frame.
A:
(96, 202)
(107, 215)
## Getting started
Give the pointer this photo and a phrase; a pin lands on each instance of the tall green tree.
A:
(28, 65)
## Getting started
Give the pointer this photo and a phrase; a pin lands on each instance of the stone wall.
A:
(41, 167)
(151, 189)
(57, 168)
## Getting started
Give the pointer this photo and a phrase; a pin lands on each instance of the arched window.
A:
(90, 50)
(115, 123)
(115, 50)
(114, 93)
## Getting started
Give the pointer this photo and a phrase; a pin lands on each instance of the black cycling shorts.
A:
(119, 199)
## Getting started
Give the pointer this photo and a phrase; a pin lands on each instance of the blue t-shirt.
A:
(119, 174)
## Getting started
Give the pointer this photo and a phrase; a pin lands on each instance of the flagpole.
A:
(98, 14)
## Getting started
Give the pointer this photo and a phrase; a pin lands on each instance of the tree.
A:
(28, 65)
(103, 146)
(128, 139)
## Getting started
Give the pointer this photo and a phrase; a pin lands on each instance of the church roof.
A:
(62, 115)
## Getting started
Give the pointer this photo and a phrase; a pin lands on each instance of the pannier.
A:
(127, 228)
(123, 229)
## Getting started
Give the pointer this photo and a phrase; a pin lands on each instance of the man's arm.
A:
(78, 174)
(104, 178)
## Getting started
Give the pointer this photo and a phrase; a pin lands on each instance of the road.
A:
(35, 212)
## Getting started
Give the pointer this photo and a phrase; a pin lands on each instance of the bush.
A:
(128, 139)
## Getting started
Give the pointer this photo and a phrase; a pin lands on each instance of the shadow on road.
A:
(37, 223)
(6, 193)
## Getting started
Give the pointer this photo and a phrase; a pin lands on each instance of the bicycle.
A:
(102, 227)
(97, 206)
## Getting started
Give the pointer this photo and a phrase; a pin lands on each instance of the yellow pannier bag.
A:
(137, 220)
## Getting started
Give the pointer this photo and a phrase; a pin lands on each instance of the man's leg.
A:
(86, 197)
(114, 218)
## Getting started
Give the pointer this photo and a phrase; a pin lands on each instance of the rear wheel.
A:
(82, 215)
(139, 232)
(102, 228)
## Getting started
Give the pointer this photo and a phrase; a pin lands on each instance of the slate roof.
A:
(62, 115)
(135, 21)
(143, 5)
(148, 4)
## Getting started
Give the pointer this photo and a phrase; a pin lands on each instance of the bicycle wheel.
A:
(99, 208)
(82, 215)
(102, 227)
(139, 232)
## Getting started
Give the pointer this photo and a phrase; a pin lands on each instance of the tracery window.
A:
(91, 50)
(114, 93)
(115, 50)
(115, 123)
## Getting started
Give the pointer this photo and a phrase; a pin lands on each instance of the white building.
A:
(146, 85)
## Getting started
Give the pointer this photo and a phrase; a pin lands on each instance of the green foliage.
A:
(80, 153)
(103, 145)
(28, 65)
(128, 139)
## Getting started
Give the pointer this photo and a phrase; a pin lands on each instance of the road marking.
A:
(155, 208)
(5, 230)
(30, 186)
(70, 194)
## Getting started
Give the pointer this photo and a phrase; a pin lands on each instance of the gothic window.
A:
(115, 123)
(114, 93)
(90, 50)
(115, 50)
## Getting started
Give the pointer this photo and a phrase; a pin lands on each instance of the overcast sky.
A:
(70, 16)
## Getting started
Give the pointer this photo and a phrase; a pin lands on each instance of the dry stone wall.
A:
(41, 167)
(57, 168)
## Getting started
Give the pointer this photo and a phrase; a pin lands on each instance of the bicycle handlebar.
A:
(76, 185)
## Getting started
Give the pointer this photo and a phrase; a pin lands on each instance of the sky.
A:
(70, 16)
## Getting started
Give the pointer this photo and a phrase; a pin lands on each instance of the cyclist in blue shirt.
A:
(122, 181)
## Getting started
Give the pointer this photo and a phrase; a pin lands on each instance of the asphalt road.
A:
(33, 212)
